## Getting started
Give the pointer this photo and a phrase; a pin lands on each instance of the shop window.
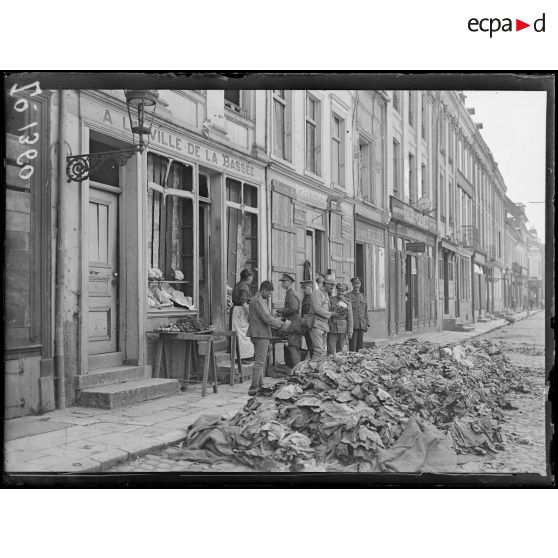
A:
(203, 182)
(241, 232)
(313, 135)
(337, 150)
(170, 234)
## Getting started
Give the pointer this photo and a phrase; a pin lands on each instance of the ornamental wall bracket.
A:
(81, 167)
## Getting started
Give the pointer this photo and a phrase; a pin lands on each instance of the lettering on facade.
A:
(304, 193)
(403, 212)
(163, 138)
(369, 234)
(415, 235)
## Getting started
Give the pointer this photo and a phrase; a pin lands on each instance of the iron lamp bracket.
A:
(80, 167)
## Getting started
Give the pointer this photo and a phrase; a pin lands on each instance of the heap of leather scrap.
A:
(407, 407)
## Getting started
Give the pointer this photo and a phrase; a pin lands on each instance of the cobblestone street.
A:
(523, 427)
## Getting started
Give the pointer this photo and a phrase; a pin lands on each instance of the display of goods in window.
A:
(401, 408)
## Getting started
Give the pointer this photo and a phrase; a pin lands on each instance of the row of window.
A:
(282, 135)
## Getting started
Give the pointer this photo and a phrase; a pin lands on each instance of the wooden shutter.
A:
(341, 247)
(283, 238)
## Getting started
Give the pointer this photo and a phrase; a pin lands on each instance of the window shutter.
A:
(283, 237)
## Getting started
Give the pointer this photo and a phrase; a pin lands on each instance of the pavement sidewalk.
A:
(87, 440)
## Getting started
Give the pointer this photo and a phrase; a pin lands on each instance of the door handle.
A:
(115, 274)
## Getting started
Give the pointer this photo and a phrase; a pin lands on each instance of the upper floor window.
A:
(397, 101)
(412, 179)
(423, 181)
(337, 150)
(412, 116)
(313, 135)
(282, 123)
(365, 168)
(396, 168)
(424, 116)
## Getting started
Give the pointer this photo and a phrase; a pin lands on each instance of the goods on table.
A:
(187, 324)
(407, 407)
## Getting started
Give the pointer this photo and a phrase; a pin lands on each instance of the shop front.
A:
(308, 234)
(481, 294)
(448, 273)
(165, 236)
(412, 281)
(370, 266)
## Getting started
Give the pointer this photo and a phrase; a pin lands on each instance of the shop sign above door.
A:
(173, 142)
(403, 212)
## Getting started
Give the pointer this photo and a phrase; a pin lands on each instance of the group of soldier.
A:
(327, 322)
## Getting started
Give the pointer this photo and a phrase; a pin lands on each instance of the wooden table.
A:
(190, 340)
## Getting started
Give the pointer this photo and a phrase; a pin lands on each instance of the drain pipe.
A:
(60, 256)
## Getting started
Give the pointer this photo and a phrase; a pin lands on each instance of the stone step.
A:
(465, 327)
(109, 376)
(134, 391)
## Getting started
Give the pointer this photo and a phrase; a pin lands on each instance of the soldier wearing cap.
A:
(307, 317)
(291, 312)
(319, 305)
(260, 321)
(360, 315)
(341, 321)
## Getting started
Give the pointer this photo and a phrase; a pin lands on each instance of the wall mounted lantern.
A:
(141, 106)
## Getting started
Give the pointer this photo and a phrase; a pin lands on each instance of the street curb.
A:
(157, 442)
(504, 325)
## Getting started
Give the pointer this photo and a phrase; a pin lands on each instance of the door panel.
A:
(103, 272)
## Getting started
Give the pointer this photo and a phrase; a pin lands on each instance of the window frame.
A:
(317, 129)
(285, 153)
(340, 143)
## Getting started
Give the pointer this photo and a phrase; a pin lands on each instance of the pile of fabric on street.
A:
(410, 407)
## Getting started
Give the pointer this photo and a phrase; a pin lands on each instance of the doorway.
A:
(103, 239)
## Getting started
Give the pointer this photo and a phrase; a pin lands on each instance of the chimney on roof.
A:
(471, 111)
(479, 125)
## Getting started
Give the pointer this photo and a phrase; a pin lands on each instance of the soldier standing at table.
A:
(291, 312)
(360, 315)
(341, 322)
(260, 321)
(319, 305)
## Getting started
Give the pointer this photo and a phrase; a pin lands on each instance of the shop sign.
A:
(179, 144)
(310, 196)
(369, 234)
(414, 234)
(403, 212)
(415, 247)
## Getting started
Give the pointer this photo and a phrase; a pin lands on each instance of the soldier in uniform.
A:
(319, 305)
(341, 321)
(360, 315)
(291, 312)
(307, 318)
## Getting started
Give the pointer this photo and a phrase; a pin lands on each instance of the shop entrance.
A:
(411, 292)
(103, 273)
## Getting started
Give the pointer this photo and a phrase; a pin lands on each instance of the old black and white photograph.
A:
(240, 279)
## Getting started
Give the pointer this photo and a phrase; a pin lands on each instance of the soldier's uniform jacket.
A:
(360, 310)
(341, 322)
(319, 304)
(291, 310)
